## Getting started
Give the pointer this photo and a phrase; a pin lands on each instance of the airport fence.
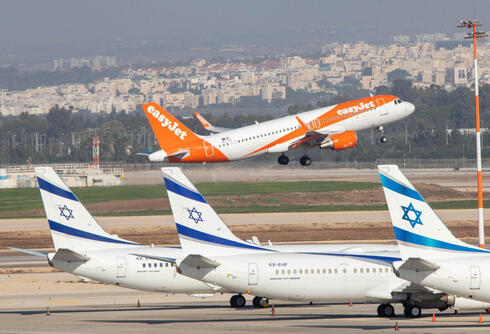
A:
(118, 168)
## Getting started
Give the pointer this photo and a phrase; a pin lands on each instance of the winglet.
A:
(303, 125)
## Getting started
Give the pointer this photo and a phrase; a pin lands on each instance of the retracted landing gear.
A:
(305, 160)
(237, 301)
(386, 310)
(283, 160)
(382, 137)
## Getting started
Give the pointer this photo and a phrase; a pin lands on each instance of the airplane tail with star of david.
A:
(72, 226)
(201, 231)
(419, 231)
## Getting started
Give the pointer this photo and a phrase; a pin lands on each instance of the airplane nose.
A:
(410, 108)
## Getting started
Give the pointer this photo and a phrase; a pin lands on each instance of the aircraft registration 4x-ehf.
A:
(333, 127)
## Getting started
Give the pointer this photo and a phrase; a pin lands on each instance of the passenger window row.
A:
(155, 265)
(331, 271)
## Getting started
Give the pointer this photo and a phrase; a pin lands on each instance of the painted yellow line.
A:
(64, 301)
(26, 278)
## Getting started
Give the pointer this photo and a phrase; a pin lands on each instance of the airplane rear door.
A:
(121, 267)
(208, 149)
(253, 274)
(475, 277)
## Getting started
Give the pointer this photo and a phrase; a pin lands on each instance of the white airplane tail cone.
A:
(419, 231)
(201, 231)
(71, 225)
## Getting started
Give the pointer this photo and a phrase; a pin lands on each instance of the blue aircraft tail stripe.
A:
(417, 239)
(400, 188)
(83, 234)
(182, 191)
(189, 232)
(55, 190)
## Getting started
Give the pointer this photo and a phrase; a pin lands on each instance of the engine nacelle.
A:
(340, 141)
(461, 303)
(157, 156)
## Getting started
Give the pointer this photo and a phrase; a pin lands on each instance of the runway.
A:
(95, 308)
(447, 215)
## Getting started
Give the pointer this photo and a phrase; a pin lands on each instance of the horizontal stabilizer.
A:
(65, 254)
(155, 257)
(29, 251)
(418, 265)
(199, 261)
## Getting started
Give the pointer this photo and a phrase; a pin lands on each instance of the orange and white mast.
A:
(472, 24)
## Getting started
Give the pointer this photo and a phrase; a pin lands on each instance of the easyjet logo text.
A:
(362, 106)
(166, 123)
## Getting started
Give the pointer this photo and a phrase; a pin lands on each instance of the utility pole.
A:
(474, 34)
(447, 135)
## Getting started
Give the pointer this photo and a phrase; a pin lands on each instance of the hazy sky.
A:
(31, 25)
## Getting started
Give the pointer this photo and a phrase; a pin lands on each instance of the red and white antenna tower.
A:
(475, 34)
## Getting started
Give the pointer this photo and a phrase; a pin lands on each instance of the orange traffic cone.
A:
(433, 317)
(138, 305)
(396, 326)
(273, 310)
(47, 311)
(350, 303)
(480, 321)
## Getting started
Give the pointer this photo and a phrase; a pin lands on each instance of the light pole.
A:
(472, 24)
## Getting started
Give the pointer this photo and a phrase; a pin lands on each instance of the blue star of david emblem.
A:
(410, 217)
(195, 215)
(66, 212)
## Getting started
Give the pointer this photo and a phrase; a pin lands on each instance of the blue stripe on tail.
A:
(182, 191)
(83, 234)
(420, 240)
(55, 190)
(400, 188)
(206, 237)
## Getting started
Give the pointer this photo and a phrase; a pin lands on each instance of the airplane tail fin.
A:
(201, 231)
(420, 233)
(71, 225)
(208, 126)
(172, 135)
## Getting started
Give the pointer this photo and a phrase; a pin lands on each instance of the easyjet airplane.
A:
(332, 127)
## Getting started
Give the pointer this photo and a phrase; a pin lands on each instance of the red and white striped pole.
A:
(475, 35)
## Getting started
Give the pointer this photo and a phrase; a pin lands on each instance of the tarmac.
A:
(77, 307)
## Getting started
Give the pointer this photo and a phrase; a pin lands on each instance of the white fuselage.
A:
(119, 267)
(302, 277)
(467, 276)
(250, 140)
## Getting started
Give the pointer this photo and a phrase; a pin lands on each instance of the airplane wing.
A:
(65, 254)
(418, 265)
(199, 261)
(29, 251)
(312, 138)
(161, 155)
(208, 126)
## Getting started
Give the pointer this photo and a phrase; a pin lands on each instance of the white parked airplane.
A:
(85, 249)
(333, 127)
(432, 255)
(214, 255)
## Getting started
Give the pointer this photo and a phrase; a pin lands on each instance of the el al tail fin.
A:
(419, 231)
(201, 231)
(71, 225)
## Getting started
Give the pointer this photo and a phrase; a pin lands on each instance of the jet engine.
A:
(340, 141)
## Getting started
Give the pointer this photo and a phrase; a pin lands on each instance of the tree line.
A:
(64, 135)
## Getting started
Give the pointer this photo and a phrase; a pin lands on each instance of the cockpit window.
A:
(397, 101)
